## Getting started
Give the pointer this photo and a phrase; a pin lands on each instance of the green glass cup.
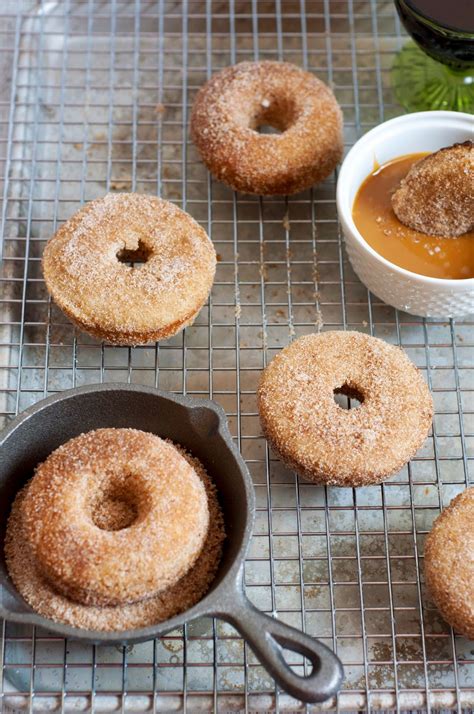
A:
(436, 71)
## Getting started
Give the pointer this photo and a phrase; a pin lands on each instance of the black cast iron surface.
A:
(201, 427)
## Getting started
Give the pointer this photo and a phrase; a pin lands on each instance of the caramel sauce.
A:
(433, 256)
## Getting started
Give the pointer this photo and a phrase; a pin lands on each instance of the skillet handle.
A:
(267, 636)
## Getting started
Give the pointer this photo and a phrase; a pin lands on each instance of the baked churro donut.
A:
(231, 107)
(325, 443)
(449, 563)
(122, 304)
(41, 595)
(114, 516)
(436, 196)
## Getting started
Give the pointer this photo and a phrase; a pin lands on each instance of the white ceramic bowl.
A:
(411, 292)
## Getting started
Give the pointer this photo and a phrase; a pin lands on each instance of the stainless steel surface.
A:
(89, 81)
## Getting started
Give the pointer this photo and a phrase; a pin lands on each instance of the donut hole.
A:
(348, 397)
(274, 115)
(267, 129)
(113, 508)
(136, 257)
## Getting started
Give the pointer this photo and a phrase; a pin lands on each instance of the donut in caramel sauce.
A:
(437, 195)
(435, 256)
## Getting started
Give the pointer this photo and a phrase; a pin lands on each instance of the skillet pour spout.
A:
(200, 426)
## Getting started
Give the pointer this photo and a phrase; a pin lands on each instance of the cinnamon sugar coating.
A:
(114, 516)
(437, 195)
(122, 304)
(229, 109)
(41, 595)
(449, 563)
(325, 443)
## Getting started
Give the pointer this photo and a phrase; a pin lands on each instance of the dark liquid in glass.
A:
(453, 14)
(444, 29)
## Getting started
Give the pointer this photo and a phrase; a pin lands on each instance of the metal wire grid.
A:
(100, 95)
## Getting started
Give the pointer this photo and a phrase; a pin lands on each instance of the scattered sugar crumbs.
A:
(124, 185)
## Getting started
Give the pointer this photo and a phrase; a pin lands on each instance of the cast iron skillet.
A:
(201, 427)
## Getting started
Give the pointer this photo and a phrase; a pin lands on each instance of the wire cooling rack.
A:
(96, 98)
